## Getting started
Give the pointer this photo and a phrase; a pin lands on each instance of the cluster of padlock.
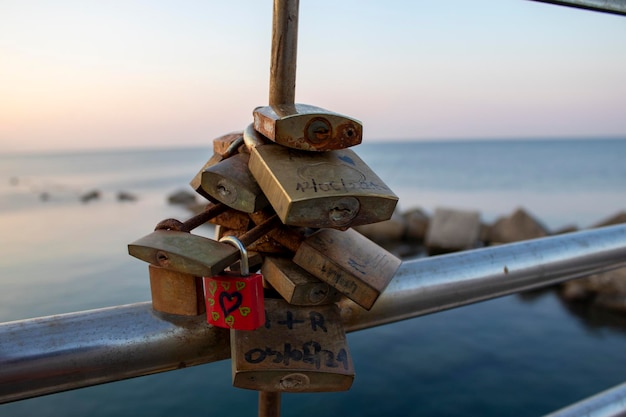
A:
(284, 195)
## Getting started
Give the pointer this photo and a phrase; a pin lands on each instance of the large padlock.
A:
(346, 260)
(306, 127)
(230, 182)
(300, 349)
(235, 300)
(295, 285)
(324, 189)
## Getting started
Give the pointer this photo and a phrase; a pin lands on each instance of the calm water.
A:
(518, 356)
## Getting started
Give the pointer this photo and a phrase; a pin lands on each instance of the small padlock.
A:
(324, 189)
(349, 262)
(231, 183)
(300, 349)
(176, 292)
(223, 147)
(295, 285)
(235, 300)
(306, 127)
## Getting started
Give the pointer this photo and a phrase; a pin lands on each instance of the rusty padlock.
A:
(176, 292)
(299, 349)
(306, 127)
(324, 189)
(235, 300)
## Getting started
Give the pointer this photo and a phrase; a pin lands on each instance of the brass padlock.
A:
(349, 262)
(176, 292)
(300, 349)
(231, 183)
(306, 127)
(295, 285)
(193, 254)
(328, 189)
(223, 147)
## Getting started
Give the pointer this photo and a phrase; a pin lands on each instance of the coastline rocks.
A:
(518, 226)
(182, 197)
(617, 218)
(386, 231)
(606, 290)
(452, 230)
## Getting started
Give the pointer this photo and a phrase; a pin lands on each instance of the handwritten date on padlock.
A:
(299, 349)
(235, 302)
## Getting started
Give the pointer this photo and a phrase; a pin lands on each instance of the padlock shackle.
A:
(211, 211)
(284, 52)
(244, 264)
(252, 138)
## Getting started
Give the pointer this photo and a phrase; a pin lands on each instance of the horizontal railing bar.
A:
(609, 403)
(607, 6)
(53, 354)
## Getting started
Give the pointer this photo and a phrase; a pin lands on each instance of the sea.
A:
(522, 355)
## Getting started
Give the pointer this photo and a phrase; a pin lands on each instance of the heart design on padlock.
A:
(215, 315)
(225, 285)
(230, 320)
(244, 311)
(211, 302)
(240, 285)
(212, 287)
(228, 298)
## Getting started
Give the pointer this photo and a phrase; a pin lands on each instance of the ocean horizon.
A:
(522, 355)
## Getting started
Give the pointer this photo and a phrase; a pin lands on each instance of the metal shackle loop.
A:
(252, 138)
(232, 240)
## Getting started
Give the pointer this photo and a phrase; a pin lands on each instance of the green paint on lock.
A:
(240, 285)
(211, 302)
(212, 287)
(215, 315)
(226, 285)
(230, 320)
(244, 311)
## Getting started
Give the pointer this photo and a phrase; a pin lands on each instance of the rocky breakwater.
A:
(414, 233)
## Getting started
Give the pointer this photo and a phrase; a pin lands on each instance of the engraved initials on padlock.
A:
(300, 349)
(235, 300)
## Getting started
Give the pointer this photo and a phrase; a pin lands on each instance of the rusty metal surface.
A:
(284, 52)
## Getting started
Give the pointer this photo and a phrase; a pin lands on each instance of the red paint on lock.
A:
(234, 301)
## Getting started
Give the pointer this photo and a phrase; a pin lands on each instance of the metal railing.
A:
(57, 353)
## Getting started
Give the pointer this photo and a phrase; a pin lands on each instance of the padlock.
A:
(324, 189)
(300, 349)
(346, 260)
(235, 300)
(223, 147)
(176, 292)
(349, 262)
(193, 254)
(295, 285)
(306, 127)
(231, 183)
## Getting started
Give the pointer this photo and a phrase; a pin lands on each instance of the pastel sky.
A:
(78, 74)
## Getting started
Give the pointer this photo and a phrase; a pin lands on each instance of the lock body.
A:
(176, 292)
(231, 183)
(306, 127)
(327, 189)
(349, 262)
(235, 301)
(295, 285)
(299, 349)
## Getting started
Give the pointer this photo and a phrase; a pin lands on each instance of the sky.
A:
(78, 74)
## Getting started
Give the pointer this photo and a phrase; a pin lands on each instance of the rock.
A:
(416, 225)
(182, 197)
(566, 229)
(91, 195)
(518, 226)
(614, 219)
(124, 196)
(385, 231)
(452, 230)
(606, 290)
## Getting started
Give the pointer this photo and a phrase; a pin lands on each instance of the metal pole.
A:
(57, 353)
(607, 6)
(269, 404)
(609, 403)
(284, 52)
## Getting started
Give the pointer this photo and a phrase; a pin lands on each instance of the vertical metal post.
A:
(284, 52)
(269, 404)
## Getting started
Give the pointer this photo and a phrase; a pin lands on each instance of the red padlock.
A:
(235, 301)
